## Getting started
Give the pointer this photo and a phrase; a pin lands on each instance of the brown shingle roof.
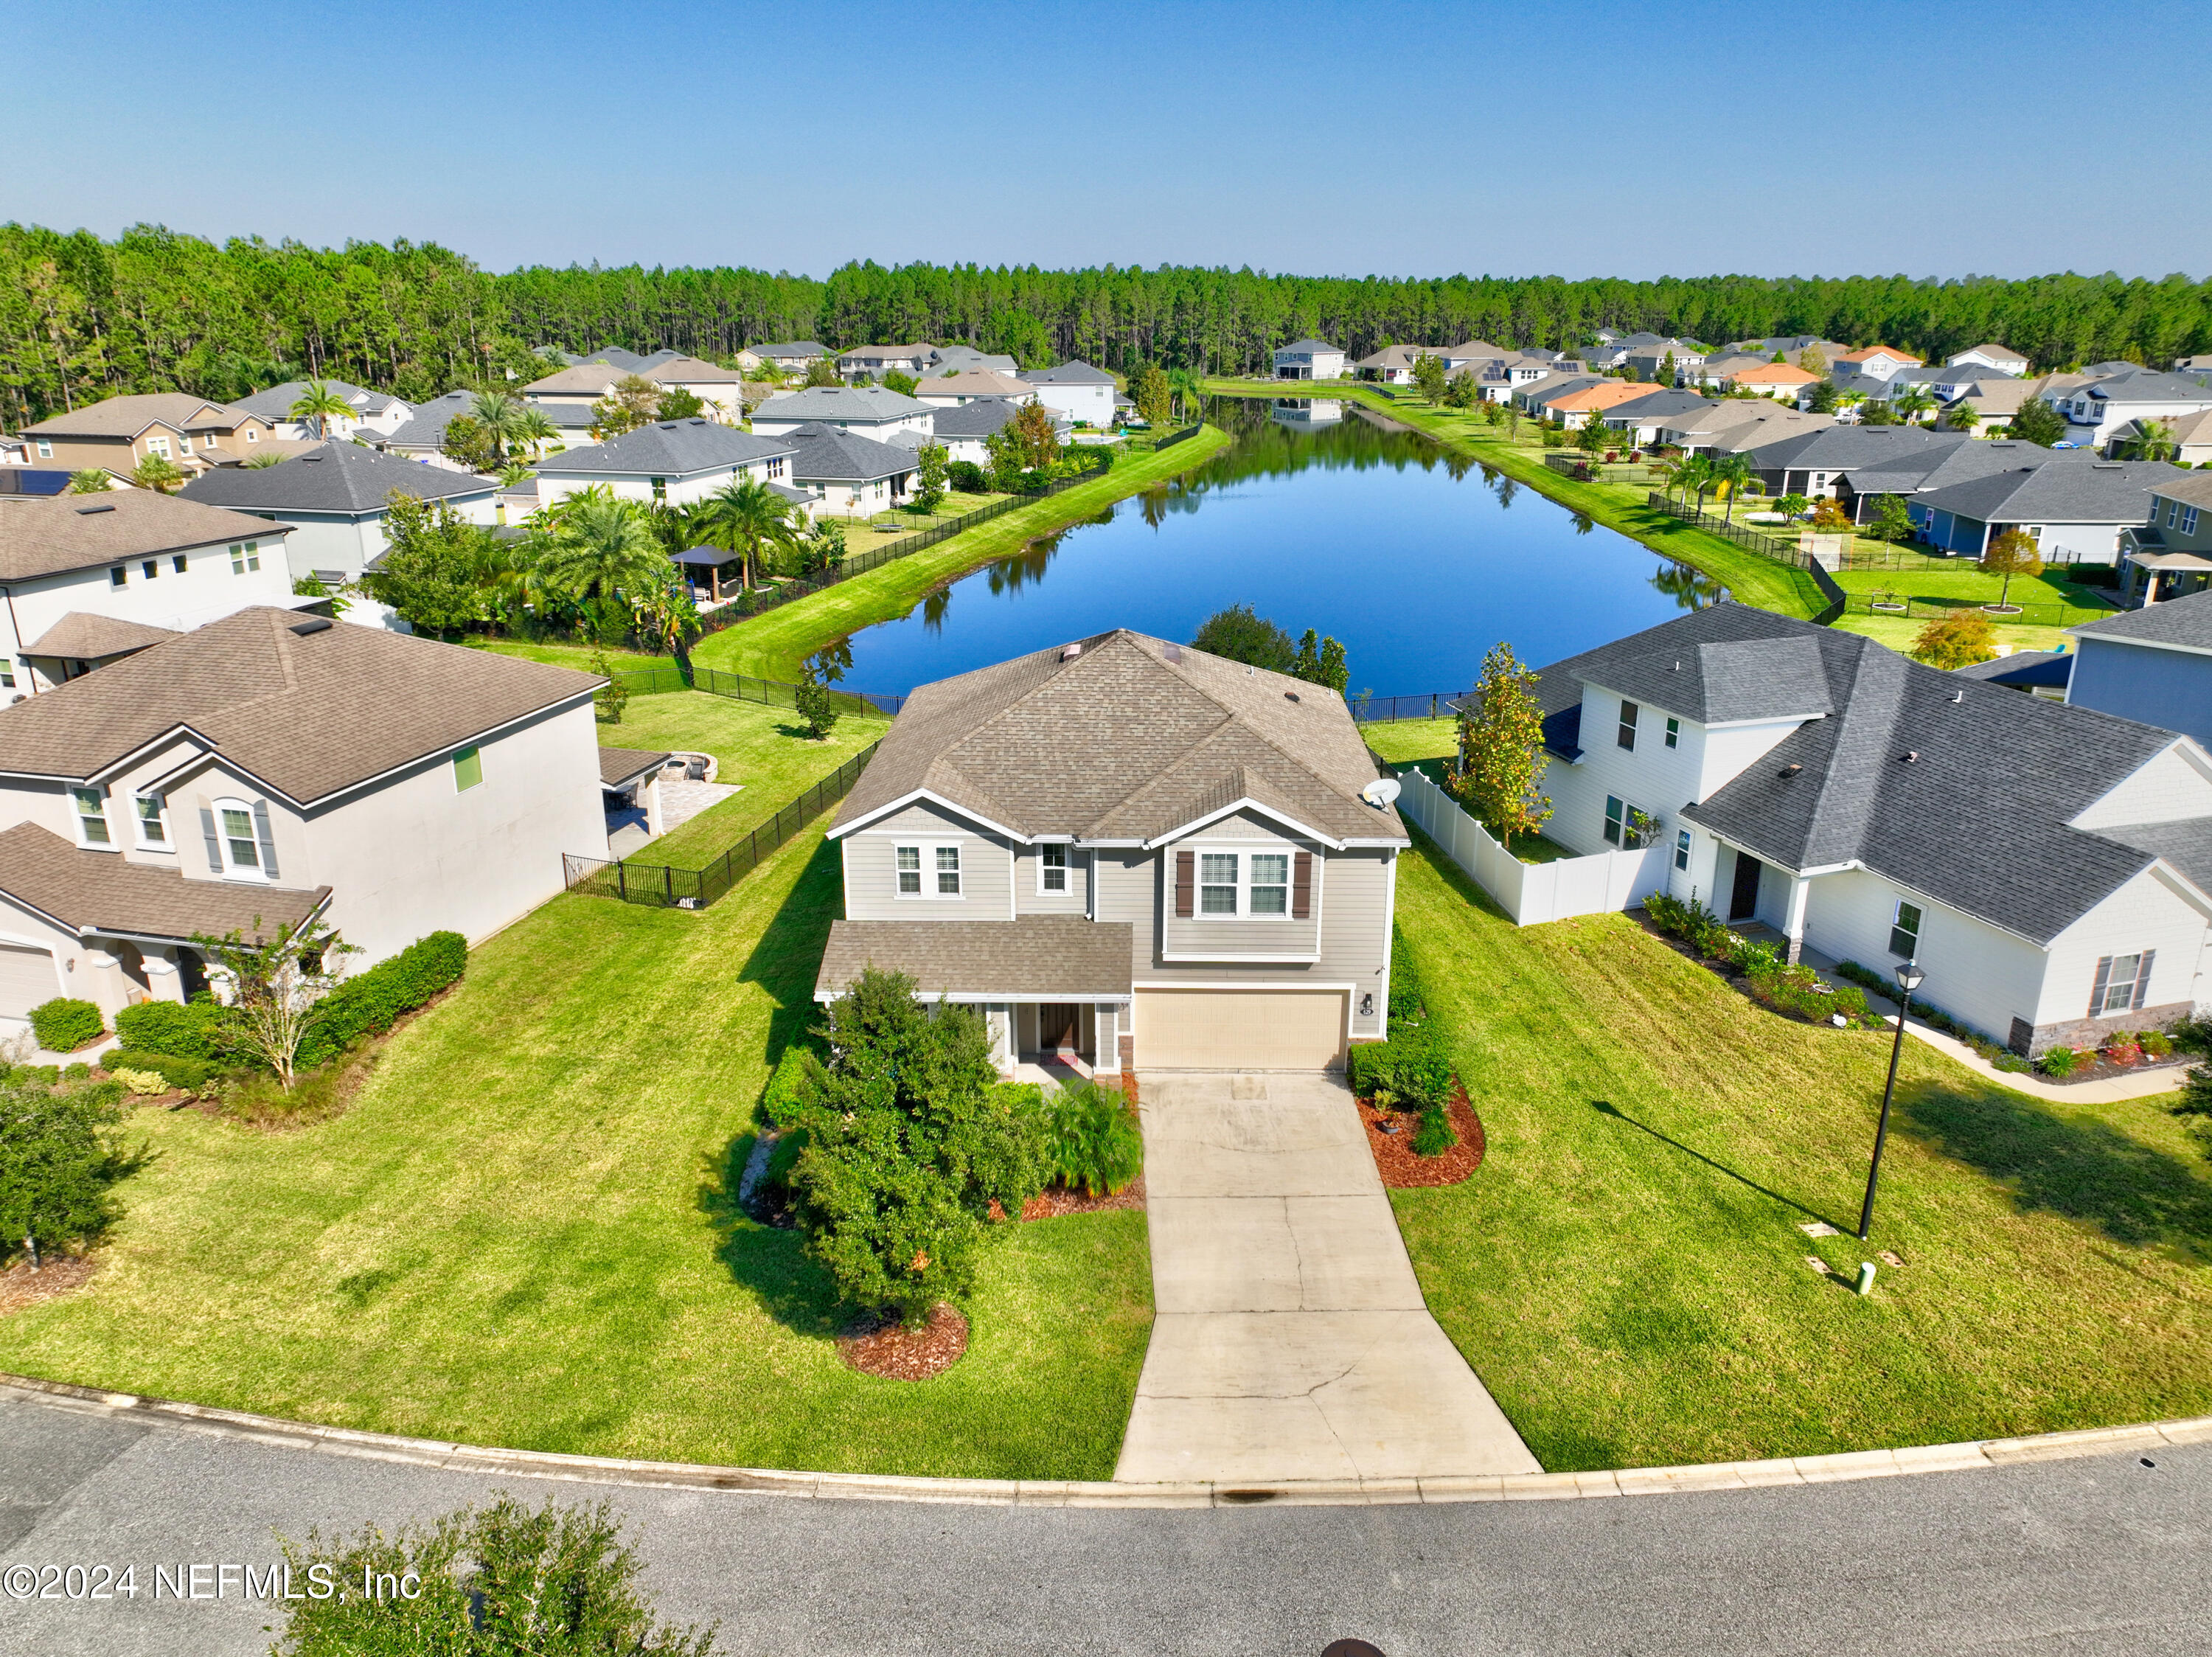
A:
(51, 534)
(90, 637)
(620, 765)
(1037, 957)
(126, 416)
(308, 715)
(98, 891)
(1125, 742)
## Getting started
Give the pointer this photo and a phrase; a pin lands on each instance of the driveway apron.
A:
(1290, 1340)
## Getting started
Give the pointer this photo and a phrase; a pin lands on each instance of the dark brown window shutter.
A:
(1186, 865)
(2143, 977)
(2097, 994)
(1301, 885)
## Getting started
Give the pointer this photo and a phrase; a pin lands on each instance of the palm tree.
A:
(266, 458)
(2154, 440)
(1914, 404)
(1848, 400)
(1962, 416)
(1734, 471)
(1186, 388)
(746, 516)
(157, 472)
(91, 481)
(500, 416)
(316, 403)
(535, 430)
(601, 547)
(1697, 473)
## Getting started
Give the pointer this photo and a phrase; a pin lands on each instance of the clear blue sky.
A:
(1938, 136)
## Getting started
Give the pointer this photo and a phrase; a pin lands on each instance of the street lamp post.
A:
(1910, 978)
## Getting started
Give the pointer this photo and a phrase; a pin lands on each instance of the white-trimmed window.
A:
(948, 871)
(1626, 735)
(92, 829)
(252, 435)
(926, 871)
(184, 445)
(158, 445)
(1216, 882)
(1905, 930)
(45, 449)
(909, 860)
(245, 555)
(2172, 508)
(2121, 981)
(1682, 849)
(1052, 868)
(1270, 888)
(1627, 827)
(2189, 521)
(153, 820)
(237, 837)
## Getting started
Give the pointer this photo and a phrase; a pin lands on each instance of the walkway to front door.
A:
(1290, 1340)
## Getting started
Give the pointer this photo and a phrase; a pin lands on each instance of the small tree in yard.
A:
(1322, 662)
(1958, 640)
(1034, 436)
(904, 384)
(931, 460)
(1429, 376)
(908, 1143)
(632, 401)
(822, 371)
(278, 982)
(1592, 438)
(613, 696)
(2036, 422)
(58, 1160)
(2013, 553)
(1155, 397)
(1501, 749)
(810, 698)
(1892, 520)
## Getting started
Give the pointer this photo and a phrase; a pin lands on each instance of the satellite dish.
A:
(1382, 791)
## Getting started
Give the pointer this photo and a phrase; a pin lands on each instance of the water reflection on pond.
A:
(1419, 560)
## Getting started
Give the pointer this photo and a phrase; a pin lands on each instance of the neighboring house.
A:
(964, 431)
(85, 580)
(1781, 380)
(2074, 511)
(14, 451)
(1642, 419)
(668, 463)
(871, 410)
(2198, 364)
(950, 390)
(720, 390)
(1648, 358)
(2154, 665)
(334, 497)
(116, 435)
(1816, 783)
(1394, 364)
(1083, 394)
(853, 475)
(2170, 556)
(1738, 423)
(1996, 399)
(1715, 370)
(371, 411)
(1536, 396)
(2034, 672)
(1793, 345)
(2105, 406)
(1497, 378)
(270, 766)
(792, 356)
(1813, 463)
(1913, 472)
(1945, 385)
(423, 437)
(1308, 359)
(2002, 358)
(583, 385)
(966, 359)
(1876, 362)
(1470, 353)
(2190, 434)
(1577, 408)
(1207, 889)
(873, 361)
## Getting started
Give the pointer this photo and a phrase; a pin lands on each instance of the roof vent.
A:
(1792, 768)
(106, 506)
(1172, 652)
(1911, 755)
(1957, 696)
(313, 624)
(1290, 696)
(668, 425)
(1069, 652)
(311, 460)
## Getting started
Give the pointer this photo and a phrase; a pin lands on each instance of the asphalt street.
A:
(2097, 1555)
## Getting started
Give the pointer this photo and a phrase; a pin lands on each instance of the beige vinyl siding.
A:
(870, 868)
(1201, 937)
(1028, 900)
(2173, 788)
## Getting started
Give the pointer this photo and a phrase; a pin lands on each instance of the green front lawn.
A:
(1625, 1270)
(522, 1233)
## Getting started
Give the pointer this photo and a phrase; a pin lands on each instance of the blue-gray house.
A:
(2152, 665)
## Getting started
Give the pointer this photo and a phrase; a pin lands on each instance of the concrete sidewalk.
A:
(1290, 1340)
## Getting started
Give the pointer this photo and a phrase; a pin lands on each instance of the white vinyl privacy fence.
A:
(1532, 893)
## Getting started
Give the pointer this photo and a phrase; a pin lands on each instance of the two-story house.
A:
(2049, 867)
(1308, 359)
(669, 462)
(275, 765)
(114, 435)
(866, 363)
(873, 411)
(2099, 411)
(1876, 361)
(85, 580)
(423, 436)
(1076, 390)
(2002, 358)
(1130, 852)
(791, 355)
(2171, 556)
(371, 411)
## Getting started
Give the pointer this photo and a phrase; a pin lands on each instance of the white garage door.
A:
(1239, 1030)
(27, 979)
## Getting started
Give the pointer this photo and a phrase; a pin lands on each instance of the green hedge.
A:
(1412, 1064)
(166, 1026)
(177, 1069)
(367, 1006)
(62, 1026)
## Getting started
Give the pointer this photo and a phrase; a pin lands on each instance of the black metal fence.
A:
(1773, 547)
(665, 886)
(1382, 710)
(744, 687)
(1915, 607)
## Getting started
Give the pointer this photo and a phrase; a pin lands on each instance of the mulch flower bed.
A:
(1054, 1201)
(885, 1348)
(1390, 1135)
(22, 1287)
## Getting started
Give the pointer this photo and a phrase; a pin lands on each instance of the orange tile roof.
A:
(1878, 350)
(1604, 396)
(1773, 374)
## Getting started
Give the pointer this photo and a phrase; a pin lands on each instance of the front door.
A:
(1059, 1026)
(1743, 901)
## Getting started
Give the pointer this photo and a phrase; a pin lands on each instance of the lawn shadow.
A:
(768, 1260)
(1605, 1107)
(1454, 877)
(786, 957)
(2076, 1166)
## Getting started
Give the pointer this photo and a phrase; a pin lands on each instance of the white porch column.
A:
(163, 980)
(1799, 889)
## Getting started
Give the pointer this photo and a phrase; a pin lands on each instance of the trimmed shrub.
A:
(187, 1074)
(1091, 1142)
(967, 478)
(1434, 1136)
(780, 1102)
(79, 1071)
(2059, 1062)
(58, 1160)
(367, 1006)
(146, 1084)
(166, 1026)
(62, 1026)
(2156, 1044)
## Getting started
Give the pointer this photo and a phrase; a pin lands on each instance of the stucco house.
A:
(791, 355)
(871, 410)
(669, 462)
(2154, 665)
(1876, 362)
(1076, 390)
(117, 433)
(371, 411)
(2002, 358)
(1308, 359)
(2191, 435)
(1728, 426)
(275, 765)
(851, 474)
(87, 580)
(2049, 866)
(1205, 888)
(334, 497)
(951, 390)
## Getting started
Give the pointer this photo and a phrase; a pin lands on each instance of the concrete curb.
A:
(1077, 1493)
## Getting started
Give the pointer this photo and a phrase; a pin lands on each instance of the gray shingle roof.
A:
(2152, 386)
(1992, 761)
(790, 348)
(1302, 346)
(1076, 372)
(2025, 670)
(666, 448)
(101, 891)
(275, 403)
(865, 403)
(620, 767)
(1065, 957)
(1934, 469)
(1722, 683)
(2183, 622)
(1660, 404)
(2058, 491)
(824, 454)
(334, 477)
(1842, 448)
(978, 418)
(1167, 737)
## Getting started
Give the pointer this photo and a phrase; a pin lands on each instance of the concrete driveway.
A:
(1290, 1340)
